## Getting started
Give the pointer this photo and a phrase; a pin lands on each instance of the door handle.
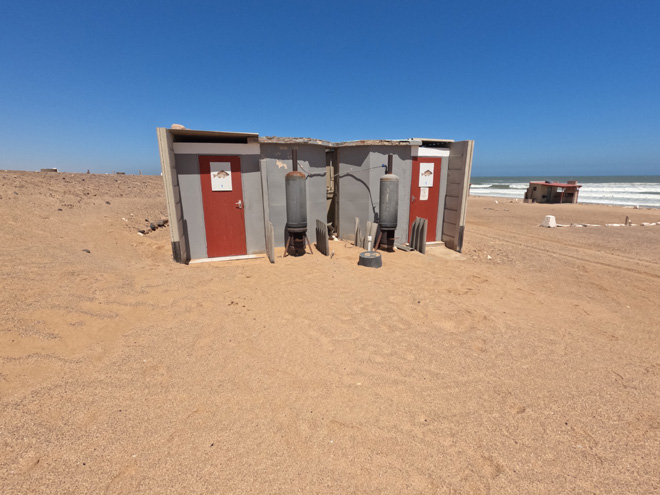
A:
(239, 204)
(413, 199)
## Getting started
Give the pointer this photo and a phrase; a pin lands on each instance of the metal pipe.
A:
(390, 159)
(294, 159)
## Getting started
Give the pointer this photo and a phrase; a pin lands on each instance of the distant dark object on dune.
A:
(49, 170)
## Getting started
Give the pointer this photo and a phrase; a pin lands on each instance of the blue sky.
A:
(542, 87)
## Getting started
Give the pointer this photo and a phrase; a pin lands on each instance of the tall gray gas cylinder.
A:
(296, 201)
(389, 202)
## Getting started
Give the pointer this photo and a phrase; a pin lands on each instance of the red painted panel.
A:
(223, 218)
(428, 208)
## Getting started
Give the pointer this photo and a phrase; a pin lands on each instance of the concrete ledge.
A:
(228, 258)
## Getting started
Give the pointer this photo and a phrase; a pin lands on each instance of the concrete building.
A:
(222, 188)
(552, 192)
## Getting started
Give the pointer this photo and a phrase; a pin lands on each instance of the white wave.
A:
(616, 193)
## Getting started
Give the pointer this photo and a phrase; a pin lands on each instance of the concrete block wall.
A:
(459, 168)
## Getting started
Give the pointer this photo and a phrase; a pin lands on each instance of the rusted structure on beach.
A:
(552, 192)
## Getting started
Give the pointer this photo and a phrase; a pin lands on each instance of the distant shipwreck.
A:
(552, 192)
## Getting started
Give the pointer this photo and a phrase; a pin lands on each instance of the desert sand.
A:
(530, 363)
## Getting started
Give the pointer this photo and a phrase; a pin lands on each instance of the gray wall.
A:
(187, 167)
(356, 194)
(360, 170)
(277, 163)
(194, 231)
(253, 204)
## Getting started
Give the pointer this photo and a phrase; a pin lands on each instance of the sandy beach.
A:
(530, 363)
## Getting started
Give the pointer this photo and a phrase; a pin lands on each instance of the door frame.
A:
(434, 199)
(207, 207)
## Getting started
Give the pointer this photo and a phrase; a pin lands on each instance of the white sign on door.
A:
(426, 175)
(423, 193)
(220, 176)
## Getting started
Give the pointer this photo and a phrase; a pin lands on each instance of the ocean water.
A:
(621, 190)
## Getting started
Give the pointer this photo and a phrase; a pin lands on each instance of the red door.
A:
(222, 199)
(424, 200)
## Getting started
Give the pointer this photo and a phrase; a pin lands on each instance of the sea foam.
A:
(614, 190)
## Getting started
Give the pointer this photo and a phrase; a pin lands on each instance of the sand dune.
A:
(528, 364)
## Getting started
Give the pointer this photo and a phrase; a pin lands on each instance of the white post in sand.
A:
(549, 221)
